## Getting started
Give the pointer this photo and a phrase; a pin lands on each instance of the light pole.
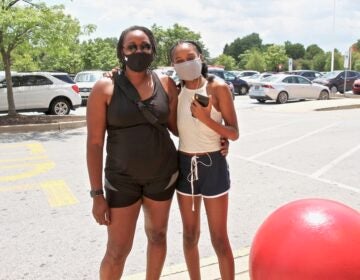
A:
(333, 51)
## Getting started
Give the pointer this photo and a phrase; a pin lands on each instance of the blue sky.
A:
(220, 22)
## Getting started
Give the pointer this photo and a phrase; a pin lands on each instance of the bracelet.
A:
(94, 193)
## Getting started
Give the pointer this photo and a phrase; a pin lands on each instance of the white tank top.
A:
(194, 136)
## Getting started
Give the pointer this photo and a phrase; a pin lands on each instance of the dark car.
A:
(309, 74)
(336, 80)
(356, 87)
(240, 86)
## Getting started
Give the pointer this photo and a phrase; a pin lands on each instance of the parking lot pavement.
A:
(209, 269)
(45, 215)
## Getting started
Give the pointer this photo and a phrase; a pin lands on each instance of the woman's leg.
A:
(191, 232)
(120, 238)
(156, 215)
(216, 210)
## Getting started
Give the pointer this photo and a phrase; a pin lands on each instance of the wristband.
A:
(94, 193)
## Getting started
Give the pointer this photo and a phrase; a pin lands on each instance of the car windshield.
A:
(88, 77)
(256, 76)
(331, 75)
(64, 77)
(271, 78)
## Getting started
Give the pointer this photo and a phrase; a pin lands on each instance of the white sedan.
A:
(283, 87)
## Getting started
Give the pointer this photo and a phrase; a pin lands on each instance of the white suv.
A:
(52, 93)
(86, 80)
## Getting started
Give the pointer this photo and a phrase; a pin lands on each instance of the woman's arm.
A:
(172, 92)
(96, 127)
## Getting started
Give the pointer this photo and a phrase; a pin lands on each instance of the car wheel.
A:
(282, 97)
(324, 95)
(261, 100)
(243, 90)
(333, 89)
(60, 107)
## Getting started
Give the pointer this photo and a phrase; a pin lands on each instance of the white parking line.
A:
(267, 129)
(292, 141)
(331, 182)
(334, 162)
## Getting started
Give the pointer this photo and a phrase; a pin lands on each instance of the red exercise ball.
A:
(308, 239)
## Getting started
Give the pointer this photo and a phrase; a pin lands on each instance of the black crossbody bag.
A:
(130, 92)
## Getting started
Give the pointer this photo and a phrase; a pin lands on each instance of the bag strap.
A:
(131, 93)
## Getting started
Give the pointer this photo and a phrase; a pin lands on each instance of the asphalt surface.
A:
(285, 152)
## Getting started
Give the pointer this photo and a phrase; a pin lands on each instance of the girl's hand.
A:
(200, 112)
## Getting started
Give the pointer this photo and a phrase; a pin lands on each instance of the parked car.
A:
(335, 80)
(256, 78)
(240, 86)
(309, 74)
(244, 73)
(284, 87)
(356, 87)
(86, 80)
(53, 93)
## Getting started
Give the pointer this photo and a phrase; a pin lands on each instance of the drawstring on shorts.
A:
(194, 175)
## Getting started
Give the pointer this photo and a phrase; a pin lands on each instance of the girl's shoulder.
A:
(216, 85)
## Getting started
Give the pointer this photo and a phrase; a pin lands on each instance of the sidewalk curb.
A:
(42, 127)
(208, 266)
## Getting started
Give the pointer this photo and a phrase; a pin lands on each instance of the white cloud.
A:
(220, 22)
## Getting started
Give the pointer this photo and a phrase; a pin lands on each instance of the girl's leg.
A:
(156, 215)
(191, 233)
(120, 238)
(216, 210)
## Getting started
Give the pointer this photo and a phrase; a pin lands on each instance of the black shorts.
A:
(213, 177)
(128, 192)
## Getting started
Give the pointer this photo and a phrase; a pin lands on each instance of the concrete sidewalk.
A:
(209, 269)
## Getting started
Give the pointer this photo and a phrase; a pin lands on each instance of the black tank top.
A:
(136, 149)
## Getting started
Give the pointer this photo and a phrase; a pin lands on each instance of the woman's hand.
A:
(101, 210)
(224, 146)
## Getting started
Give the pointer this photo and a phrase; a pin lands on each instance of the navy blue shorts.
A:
(212, 172)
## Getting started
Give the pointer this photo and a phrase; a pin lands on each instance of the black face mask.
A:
(138, 61)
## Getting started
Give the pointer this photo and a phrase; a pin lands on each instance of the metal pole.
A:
(350, 49)
(333, 51)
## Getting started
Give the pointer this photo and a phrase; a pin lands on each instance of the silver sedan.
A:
(283, 87)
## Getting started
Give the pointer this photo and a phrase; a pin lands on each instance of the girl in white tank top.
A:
(203, 170)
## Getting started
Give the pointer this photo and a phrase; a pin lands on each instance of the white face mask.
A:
(189, 70)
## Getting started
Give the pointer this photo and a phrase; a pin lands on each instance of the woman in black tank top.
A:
(141, 159)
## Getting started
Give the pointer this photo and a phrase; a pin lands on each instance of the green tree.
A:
(166, 38)
(34, 24)
(295, 51)
(355, 60)
(338, 61)
(227, 61)
(313, 50)
(319, 62)
(99, 54)
(303, 64)
(240, 45)
(275, 57)
(255, 61)
(357, 45)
